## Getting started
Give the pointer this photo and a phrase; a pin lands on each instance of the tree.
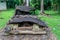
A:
(56, 5)
(27, 2)
(20, 2)
(42, 6)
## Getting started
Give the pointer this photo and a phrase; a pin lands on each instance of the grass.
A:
(53, 22)
(5, 16)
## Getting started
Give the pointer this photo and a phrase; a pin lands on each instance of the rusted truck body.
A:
(24, 26)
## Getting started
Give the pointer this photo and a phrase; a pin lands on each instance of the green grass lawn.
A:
(53, 21)
(5, 16)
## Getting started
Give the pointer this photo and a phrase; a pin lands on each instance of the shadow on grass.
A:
(53, 13)
(1, 18)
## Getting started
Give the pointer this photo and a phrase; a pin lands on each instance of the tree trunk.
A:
(26, 2)
(42, 6)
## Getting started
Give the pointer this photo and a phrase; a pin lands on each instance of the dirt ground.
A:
(26, 37)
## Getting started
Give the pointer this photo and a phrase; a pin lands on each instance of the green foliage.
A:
(56, 5)
(12, 3)
(47, 4)
(33, 3)
(21, 2)
(36, 4)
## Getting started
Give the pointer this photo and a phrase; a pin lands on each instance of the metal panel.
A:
(3, 6)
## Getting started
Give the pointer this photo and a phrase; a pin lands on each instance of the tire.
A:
(7, 29)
